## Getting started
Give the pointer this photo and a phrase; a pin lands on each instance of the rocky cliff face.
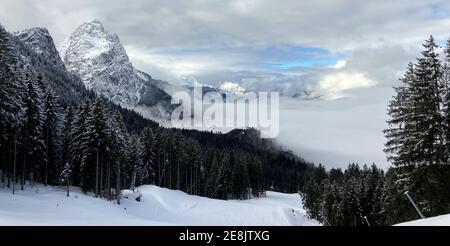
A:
(102, 63)
(40, 41)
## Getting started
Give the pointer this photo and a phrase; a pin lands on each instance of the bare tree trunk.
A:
(3, 166)
(170, 171)
(133, 181)
(23, 171)
(159, 170)
(193, 181)
(68, 186)
(96, 177)
(109, 181)
(194, 184)
(46, 160)
(162, 176)
(191, 178)
(118, 184)
(8, 184)
(9, 168)
(186, 184)
(101, 178)
(178, 176)
(14, 163)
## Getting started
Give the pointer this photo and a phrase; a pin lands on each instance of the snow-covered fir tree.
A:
(33, 142)
(78, 144)
(51, 136)
(9, 102)
(66, 136)
(64, 176)
(147, 174)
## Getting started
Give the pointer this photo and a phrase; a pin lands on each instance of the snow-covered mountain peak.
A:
(93, 45)
(41, 42)
(100, 60)
(92, 27)
(232, 88)
(40, 31)
(96, 23)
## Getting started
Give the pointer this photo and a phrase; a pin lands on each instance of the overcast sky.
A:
(349, 52)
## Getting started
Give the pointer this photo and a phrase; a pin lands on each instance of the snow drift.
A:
(158, 206)
(442, 220)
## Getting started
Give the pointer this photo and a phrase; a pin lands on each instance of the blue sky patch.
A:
(303, 57)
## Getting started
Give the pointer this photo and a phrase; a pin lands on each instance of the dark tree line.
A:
(352, 197)
(55, 132)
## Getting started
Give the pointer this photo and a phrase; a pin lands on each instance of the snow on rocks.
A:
(233, 88)
(100, 60)
(41, 42)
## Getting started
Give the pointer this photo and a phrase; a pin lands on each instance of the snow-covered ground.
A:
(443, 220)
(159, 206)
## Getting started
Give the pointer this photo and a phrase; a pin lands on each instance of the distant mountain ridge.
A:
(99, 59)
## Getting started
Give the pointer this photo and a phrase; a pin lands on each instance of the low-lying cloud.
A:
(350, 50)
(332, 86)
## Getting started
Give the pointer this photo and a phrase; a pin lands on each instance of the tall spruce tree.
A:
(213, 173)
(9, 100)
(148, 174)
(65, 174)
(66, 136)
(33, 143)
(98, 142)
(64, 177)
(427, 106)
(239, 178)
(195, 166)
(401, 134)
(446, 97)
(135, 161)
(78, 141)
(119, 143)
(8, 104)
(417, 138)
(51, 137)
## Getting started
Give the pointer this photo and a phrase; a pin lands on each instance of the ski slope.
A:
(158, 206)
(442, 220)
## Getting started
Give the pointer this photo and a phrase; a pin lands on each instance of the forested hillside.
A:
(55, 132)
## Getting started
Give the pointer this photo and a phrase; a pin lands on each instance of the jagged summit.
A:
(91, 51)
(94, 29)
(99, 58)
(233, 88)
(41, 42)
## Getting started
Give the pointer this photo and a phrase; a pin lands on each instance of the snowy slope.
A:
(158, 206)
(443, 220)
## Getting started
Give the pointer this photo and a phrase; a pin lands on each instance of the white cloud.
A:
(178, 65)
(332, 85)
(342, 25)
(336, 133)
(340, 64)
(246, 6)
(378, 39)
(353, 27)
